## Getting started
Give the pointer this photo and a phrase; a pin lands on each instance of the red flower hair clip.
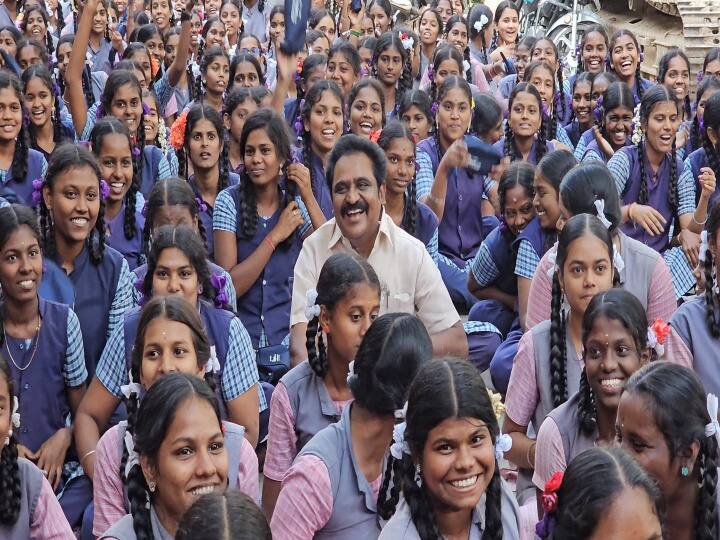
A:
(375, 135)
(549, 495)
(177, 132)
(661, 329)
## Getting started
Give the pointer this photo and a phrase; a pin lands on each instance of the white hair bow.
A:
(399, 445)
(552, 258)
(503, 444)
(213, 364)
(351, 371)
(312, 309)
(713, 428)
(130, 387)
(480, 24)
(703, 246)
(600, 207)
(401, 413)
(15, 416)
(133, 458)
(653, 343)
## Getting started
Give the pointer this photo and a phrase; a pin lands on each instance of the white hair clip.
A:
(713, 428)
(552, 258)
(407, 41)
(618, 261)
(503, 444)
(480, 24)
(401, 413)
(15, 416)
(133, 458)
(703, 246)
(399, 445)
(130, 387)
(213, 364)
(312, 309)
(600, 207)
(351, 371)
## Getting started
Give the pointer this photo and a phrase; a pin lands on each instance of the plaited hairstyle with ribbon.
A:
(10, 480)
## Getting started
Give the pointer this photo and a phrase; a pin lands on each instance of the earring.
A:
(200, 289)
(418, 475)
(684, 471)
(152, 486)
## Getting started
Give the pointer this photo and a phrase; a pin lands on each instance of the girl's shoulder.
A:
(425, 214)
(697, 158)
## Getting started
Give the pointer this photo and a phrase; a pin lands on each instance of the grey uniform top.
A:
(640, 262)
(690, 323)
(354, 511)
(401, 526)
(124, 530)
(30, 487)
(312, 407)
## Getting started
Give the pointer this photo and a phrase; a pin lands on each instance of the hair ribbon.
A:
(15, 416)
(713, 427)
(133, 458)
(213, 364)
(703, 246)
(312, 309)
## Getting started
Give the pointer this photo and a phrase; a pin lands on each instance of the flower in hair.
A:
(136, 151)
(100, 112)
(434, 108)
(407, 41)
(699, 76)
(545, 110)
(177, 132)
(37, 186)
(375, 135)
(219, 281)
(104, 189)
(661, 329)
(636, 128)
(154, 65)
(549, 494)
(430, 73)
(712, 429)
(497, 404)
(299, 126)
(202, 207)
(213, 364)
(702, 255)
(146, 108)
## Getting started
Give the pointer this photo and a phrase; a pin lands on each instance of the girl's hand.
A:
(498, 170)
(602, 142)
(286, 65)
(290, 219)
(115, 38)
(456, 156)
(648, 218)
(707, 182)
(681, 136)
(690, 243)
(300, 174)
(51, 456)
(24, 452)
(355, 18)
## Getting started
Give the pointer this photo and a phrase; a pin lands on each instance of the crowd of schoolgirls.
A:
(233, 276)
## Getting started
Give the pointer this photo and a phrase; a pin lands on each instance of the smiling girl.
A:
(615, 124)
(444, 461)
(50, 390)
(35, 26)
(124, 222)
(505, 35)
(705, 90)
(366, 108)
(431, 28)
(615, 345)
(582, 107)
(540, 74)
(312, 395)
(625, 60)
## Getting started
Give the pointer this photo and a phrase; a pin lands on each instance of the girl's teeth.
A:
(611, 383)
(27, 284)
(203, 490)
(467, 482)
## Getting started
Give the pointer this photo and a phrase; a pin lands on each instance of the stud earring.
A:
(685, 471)
(152, 486)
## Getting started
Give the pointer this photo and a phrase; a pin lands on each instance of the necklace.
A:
(32, 357)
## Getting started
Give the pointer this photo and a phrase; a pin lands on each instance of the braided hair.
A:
(708, 85)
(391, 39)
(10, 480)
(108, 126)
(442, 390)
(711, 299)
(156, 414)
(398, 130)
(594, 29)
(312, 63)
(664, 67)
(711, 119)
(340, 273)
(499, 10)
(64, 159)
(320, 91)
(170, 192)
(615, 305)
(40, 72)
(443, 53)
(19, 167)
(440, 30)
(274, 125)
(208, 58)
(420, 100)
(48, 36)
(656, 94)
(576, 227)
(509, 147)
(476, 13)
(592, 484)
(587, 78)
(638, 75)
(662, 386)
(86, 74)
(519, 173)
(143, 34)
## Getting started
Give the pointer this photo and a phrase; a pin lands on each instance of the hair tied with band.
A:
(657, 333)
(219, 281)
(37, 186)
(704, 246)
(549, 499)
(712, 429)
(312, 309)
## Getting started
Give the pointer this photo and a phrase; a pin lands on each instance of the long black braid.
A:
(558, 346)
(709, 83)
(643, 193)
(10, 481)
(706, 513)
(711, 299)
(587, 413)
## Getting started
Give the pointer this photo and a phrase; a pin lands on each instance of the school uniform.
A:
(426, 227)
(110, 495)
(229, 289)
(462, 228)
(300, 407)
(490, 321)
(691, 344)
(206, 216)
(40, 514)
(645, 84)
(99, 58)
(131, 249)
(560, 440)
(254, 20)
(42, 369)
(585, 139)
(232, 347)
(625, 167)
(593, 152)
(155, 167)
(691, 173)
(291, 110)
(325, 495)
(573, 132)
(265, 307)
(20, 190)
(103, 293)
(529, 395)
(532, 158)
(55, 284)
(67, 135)
(320, 185)
(401, 526)
(124, 529)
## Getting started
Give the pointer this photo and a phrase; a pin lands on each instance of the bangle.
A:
(527, 455)
(272, 245)
(699, 222)
(355, 33)
(90, 453)
(630, 211)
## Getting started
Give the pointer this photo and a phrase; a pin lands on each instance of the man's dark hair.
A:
(352, 144)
